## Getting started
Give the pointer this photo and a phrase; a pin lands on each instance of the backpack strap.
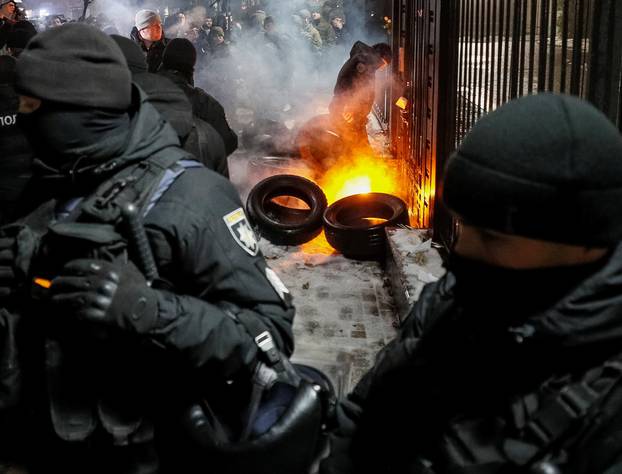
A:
(128, 197)
(568, 411)
(133, 184)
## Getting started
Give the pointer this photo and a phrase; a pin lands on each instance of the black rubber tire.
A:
(283, 225)
(348, 232)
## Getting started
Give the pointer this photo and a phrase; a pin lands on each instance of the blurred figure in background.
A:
(149, 35)
(19, 34)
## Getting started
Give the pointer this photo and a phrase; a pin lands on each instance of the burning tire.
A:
(355, 225)
(285, 225)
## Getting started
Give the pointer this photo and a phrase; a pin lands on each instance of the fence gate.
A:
(458, 59)
(419, 82)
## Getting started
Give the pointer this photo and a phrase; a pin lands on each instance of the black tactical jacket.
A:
(197, 137)
(446, 367)
(17, 155)
(133, 389)
(356, 82)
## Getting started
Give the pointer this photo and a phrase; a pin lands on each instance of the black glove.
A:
(18, 244)
(115, 294)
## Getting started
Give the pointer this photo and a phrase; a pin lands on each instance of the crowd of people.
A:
(140, 325)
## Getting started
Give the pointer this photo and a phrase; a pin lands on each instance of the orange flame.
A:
(363, 174)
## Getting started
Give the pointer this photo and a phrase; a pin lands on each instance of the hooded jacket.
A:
(448, 364)
(205, 107)
(210, 274)
(356, 82)
(197, 137)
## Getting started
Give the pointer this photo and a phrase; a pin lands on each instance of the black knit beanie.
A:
(547, 167)
(134, 56)
(180, 55)
(75, 64)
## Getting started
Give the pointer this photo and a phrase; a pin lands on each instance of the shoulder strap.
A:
(133, 184)
(128, 196)
(567, 411)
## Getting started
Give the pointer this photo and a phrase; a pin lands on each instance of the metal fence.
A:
(510, 48)
(458, 59)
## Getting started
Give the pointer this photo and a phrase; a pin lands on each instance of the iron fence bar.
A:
(461, 66)
(605, 84)
(473, 61)
(532, 43)
(544, 10)
(564, 52)
(484, 94)
(480, 58)
(495, 36)
(553, 45)
(468, 117)
(448, 55)
(523, 35)
(507, 51)
(577, 40)
(515, 50)
(585, 47)
(500, 52)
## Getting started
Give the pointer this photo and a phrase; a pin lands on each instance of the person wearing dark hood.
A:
(331, 6)
(178, 63)
(137, 282)
(354, 94)
(511, 362)
(18, 37)
(148, 33)
(16, 161)
(196, 136)
(342, 35)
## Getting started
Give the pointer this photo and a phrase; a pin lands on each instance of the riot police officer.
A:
(126, 292)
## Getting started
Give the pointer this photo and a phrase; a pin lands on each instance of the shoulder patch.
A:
(241, 231)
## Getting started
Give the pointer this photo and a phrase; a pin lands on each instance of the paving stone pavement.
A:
(345, 311)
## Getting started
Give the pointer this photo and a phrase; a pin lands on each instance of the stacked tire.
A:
(355, 225)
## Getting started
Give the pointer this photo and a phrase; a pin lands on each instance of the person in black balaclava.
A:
(196, 136)
(113, 348)
(511, 362)
(16, 153)
(178, 64)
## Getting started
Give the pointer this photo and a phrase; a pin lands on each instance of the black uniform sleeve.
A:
(214, 276)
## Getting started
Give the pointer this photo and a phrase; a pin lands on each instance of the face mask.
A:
(64, 136)
(69, 142)
(510, 295)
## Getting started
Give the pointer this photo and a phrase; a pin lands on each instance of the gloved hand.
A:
(18, 244)
(109, 293)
